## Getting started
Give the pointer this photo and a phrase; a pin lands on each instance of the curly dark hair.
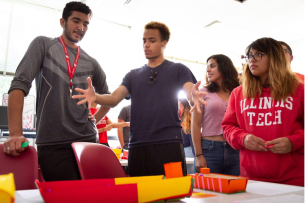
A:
(75, 6)
(228, 71)
(163, 29)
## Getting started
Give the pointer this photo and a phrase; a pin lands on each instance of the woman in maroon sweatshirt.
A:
(265, 117)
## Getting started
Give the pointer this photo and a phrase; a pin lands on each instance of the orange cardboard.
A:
(173, 170)
(205, 170)
(220, 183)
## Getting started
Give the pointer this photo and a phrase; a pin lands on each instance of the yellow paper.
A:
(151, 191)
(7, 188)
(117, 151)
(141, 179)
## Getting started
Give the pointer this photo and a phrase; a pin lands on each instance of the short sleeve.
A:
(127, 81)
(30, 65)
(185, 75)
(123, 114)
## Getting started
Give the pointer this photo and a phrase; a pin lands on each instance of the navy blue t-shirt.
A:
(154, 107)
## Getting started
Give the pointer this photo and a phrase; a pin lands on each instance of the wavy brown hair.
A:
(186, 116)
(228, 72)
(282, 80)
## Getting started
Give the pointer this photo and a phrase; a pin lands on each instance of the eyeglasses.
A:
(256, 57)
(287, 51)
(152, 78)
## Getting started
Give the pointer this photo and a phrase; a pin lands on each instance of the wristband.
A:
(199, 155)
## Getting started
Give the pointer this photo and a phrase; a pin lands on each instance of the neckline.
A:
(221, 98)
(156, 66)
(72, 49)
(68, 47)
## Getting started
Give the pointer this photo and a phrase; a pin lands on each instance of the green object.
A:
(25, 144)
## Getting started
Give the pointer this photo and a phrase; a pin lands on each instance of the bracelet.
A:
(199, 155)
(103, 129)
(9, 138)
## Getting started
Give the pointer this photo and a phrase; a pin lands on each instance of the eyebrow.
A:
(76, 18)
(211, 64)
(150, 38)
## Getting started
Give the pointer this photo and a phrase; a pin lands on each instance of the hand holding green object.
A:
(25, 144)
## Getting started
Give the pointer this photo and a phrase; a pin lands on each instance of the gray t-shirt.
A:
(125, 116)
(59, 118)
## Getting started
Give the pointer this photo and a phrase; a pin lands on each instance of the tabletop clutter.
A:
(121, 154)
(130, 189)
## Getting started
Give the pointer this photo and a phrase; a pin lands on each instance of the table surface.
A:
(250, 194)
(124, 162)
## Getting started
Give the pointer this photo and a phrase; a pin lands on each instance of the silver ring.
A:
(7, 149)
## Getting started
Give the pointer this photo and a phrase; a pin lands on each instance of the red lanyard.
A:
(70, 70)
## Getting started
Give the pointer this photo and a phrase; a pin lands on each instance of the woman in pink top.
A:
(211, 148)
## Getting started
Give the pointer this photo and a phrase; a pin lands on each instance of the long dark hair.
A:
(228, 71)
(186, 116)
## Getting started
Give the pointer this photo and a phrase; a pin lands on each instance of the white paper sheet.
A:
(30, 195)
(275, 199)
(271, 189)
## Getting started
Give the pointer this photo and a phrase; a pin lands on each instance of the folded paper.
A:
(220, 183)
(7, 188)
(127, 189)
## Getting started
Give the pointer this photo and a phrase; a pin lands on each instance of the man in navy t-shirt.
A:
(155, 130)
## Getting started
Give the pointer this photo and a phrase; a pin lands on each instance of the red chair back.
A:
(24, 167)
(96, 161)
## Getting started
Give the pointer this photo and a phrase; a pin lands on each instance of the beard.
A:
(69, 35)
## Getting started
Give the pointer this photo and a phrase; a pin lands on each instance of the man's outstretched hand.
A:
(87, 95)
(197, 97)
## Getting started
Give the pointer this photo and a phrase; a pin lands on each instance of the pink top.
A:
(213, 114)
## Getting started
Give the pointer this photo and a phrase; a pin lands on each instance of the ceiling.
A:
(191, 22)
(264, 17)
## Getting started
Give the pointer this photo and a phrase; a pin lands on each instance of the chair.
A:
(96, 161)
(24, 167)
(40, 176)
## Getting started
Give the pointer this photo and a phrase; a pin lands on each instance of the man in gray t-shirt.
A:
(57, 72)
(123, 135)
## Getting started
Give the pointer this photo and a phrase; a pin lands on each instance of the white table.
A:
(124, 162)
(224, 198)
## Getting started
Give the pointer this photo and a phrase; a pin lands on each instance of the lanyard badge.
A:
(71, 71)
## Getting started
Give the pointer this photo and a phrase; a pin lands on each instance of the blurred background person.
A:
(185, 116)
(123, 133)
(289, 56)
(104, 125)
